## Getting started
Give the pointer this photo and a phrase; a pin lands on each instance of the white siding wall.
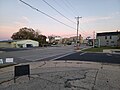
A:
(19, 44)
(108, 41)
(25, 42)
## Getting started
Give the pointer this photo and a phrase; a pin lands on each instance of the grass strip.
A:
(99, 49)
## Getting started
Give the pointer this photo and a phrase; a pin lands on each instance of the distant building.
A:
(18, 43)
(58, 39)
(108, 38)
(65, 40)
(88, 42)
(54, 39)
(73, 39)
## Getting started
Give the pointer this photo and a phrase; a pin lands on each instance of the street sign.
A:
(21, 70)
(1, 61)
(9, 60)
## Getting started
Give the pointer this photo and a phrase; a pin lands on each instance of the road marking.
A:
(62, 56)
(83, 53)
(108, 54)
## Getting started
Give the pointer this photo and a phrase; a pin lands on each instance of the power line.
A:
(74, 10)
(66, 4)
(45, 14)
(82, 32)
(68, 35)
(58, 11)
(60, 6)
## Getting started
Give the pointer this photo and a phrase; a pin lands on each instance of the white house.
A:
(18, 43)
(108, 38)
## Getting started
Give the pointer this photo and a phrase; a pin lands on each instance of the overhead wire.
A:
(66, 4)
(74, 10)
(60, 5)
(46, 14)
(70, 5)
(68, 35)
(83, 32)
(58, 11)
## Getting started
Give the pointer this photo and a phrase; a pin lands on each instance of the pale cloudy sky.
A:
(97, 15)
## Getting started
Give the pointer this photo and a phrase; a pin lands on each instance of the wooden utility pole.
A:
(77, 43)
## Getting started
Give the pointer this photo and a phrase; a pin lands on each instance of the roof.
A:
(108, 33)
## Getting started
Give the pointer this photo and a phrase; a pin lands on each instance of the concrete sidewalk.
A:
(61, 75)
(112, 51)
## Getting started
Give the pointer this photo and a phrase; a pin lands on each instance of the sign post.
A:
(21, 71)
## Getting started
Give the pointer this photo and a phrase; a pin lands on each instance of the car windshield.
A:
(59, 44)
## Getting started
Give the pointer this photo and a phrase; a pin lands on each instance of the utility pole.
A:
(93, 39)
(77, 44)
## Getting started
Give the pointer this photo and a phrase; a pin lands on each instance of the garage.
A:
(18, 43)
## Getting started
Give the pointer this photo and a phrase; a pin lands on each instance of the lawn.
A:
(100, 49)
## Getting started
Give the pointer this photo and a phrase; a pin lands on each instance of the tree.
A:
(29, 33)
(41, 39)
(51, 38)
(24, 33)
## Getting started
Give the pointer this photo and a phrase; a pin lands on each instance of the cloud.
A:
(22, 21)
(116, 13)
(94, 19)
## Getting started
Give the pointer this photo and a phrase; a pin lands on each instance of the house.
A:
(54, 39)
(58, 39)
(18, 43)
(88, 42)
(108, 38)
(74, 39)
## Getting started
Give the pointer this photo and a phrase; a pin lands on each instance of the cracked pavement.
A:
(60, 75)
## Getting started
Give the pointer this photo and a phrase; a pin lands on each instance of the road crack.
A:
(93, 87)
(67, 83)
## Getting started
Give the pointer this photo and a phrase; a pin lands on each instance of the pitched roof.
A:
(108, 33)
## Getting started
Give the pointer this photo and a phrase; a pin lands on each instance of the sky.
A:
(97, 15)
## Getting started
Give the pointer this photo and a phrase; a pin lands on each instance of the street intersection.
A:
(62, 68)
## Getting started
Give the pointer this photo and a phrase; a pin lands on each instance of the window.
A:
(110, 37)
(105, 37)
(107, 44)
(112, 41)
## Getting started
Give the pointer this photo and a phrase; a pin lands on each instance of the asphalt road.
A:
(13, 49)
(37, 54)
(93, 57)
